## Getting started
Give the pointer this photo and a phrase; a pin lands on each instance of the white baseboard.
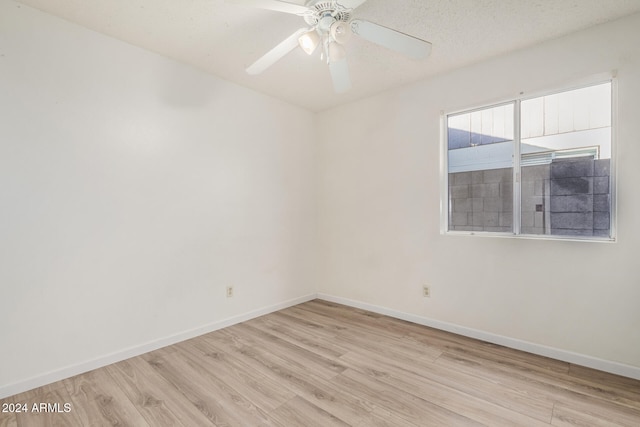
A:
(541, 350)
(70, 371)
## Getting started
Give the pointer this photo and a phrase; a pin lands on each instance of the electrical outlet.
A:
(426, 291)
(229, 291)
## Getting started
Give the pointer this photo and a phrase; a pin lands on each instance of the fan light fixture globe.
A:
(340, 32)
(309, 41)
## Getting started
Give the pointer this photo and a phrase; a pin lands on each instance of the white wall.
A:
(133, 190)
(379, 212)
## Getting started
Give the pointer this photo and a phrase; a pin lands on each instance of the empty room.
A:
(319, 213)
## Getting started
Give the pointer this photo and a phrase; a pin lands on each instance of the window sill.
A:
(592, 239)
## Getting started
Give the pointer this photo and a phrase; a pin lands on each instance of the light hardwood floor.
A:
(323, 364)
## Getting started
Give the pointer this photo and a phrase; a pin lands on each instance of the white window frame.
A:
(517, 100)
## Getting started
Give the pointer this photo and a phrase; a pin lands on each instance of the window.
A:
(536, 167)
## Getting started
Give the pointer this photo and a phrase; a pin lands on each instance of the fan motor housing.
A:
(323, 9)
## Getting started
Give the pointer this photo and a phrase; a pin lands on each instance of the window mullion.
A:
(517, 205)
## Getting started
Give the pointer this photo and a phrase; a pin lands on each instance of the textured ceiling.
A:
(224, 38)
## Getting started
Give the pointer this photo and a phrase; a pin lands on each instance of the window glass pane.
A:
(480, 161)
(566, 163)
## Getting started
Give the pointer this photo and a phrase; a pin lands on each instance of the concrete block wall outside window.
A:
(481, 200)
(580, 198)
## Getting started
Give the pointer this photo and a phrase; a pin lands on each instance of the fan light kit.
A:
(330, 25)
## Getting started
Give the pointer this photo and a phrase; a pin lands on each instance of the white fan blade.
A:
(340, 76)
(391, 39)
(275, 54)
(350, 4)
(278, 6)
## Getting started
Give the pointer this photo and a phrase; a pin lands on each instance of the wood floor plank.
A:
(153, 396)
(380, 417)
(247, 364)
(321, 363)
(98, 401)
(152, 408)
(313, 343)
(605, 378)
(295, 354)
(300, 412)
(8, 420)
(364, 333)
(605, 409)
(218, 402)
(337, 310)
(263, 391)
(412, 409)
(475, 389)
(352, 320)
(558, 386)
(459, 398)
(592, 416)
(313, 388)
(226, 388)
(313, 327)
(454, 344)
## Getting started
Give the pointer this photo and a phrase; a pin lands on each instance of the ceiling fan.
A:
(330, 25)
